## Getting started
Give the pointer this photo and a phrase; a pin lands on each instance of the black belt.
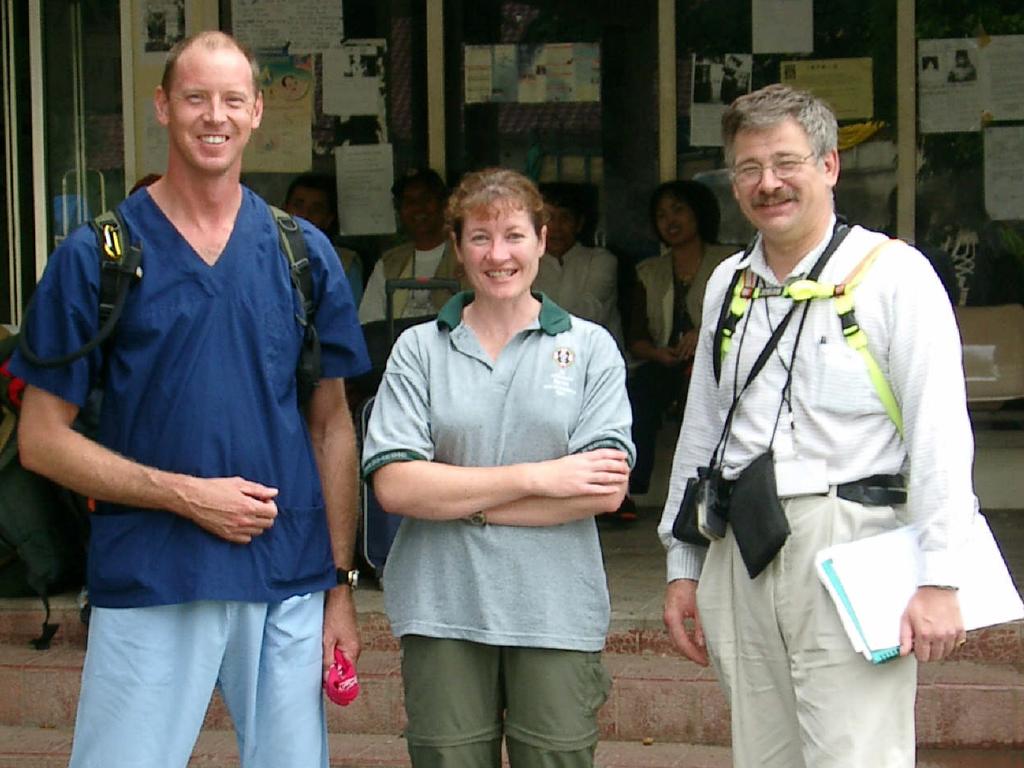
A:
(875, 491)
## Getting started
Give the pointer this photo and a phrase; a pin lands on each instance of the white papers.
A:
(505, 73)
(872, 580)
(158, 25)
(303, 26)
(948, 86)
(783, 26)
(533, 73)
(162, 24)
(354, 78)
(365, 175)
(964, 83)
(1004, 169)
(478, 71)
(717, 81)
(1002, 75)
(153, 153)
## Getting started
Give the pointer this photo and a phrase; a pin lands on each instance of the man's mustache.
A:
(774, 199)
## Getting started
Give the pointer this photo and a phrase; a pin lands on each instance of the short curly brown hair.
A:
(494, 190)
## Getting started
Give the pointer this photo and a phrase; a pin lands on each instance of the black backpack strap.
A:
(293, 243)
(120, 269)
(294, 246)
(120, 262)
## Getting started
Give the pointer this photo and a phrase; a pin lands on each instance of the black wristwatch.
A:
(349, 577)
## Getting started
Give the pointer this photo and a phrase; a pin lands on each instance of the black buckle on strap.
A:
(875, 491)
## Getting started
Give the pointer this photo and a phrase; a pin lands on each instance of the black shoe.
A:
(627, 512)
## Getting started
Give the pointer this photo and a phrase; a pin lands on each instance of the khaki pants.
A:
(461, 696)
(801, 697)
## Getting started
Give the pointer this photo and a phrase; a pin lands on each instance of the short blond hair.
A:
(211, 40)
(496, 191)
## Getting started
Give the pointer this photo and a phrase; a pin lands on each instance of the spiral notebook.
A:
(872, 580)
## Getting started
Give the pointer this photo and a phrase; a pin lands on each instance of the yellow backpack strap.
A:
(742, 293)
(745, 290)
(856, 337)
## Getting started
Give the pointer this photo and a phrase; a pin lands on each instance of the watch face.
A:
(348, 577)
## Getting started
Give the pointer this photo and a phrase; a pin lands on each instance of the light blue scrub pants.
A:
(149, 674)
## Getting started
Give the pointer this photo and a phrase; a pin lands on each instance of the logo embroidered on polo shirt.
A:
(564, 357)
(561, 382)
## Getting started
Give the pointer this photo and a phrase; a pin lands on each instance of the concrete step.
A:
(630, 633)
(25, 747)
(961, 704)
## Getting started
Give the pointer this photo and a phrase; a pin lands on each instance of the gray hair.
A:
(773, 104)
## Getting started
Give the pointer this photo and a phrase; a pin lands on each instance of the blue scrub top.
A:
(200, 380)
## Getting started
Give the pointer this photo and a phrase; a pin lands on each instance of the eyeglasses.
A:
(749, 174)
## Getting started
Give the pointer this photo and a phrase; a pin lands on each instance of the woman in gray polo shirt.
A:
(499, 432)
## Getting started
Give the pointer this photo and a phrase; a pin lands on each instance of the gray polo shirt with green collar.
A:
(557, 388)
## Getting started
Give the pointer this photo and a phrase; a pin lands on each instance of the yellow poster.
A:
(844, 83)
(284, 142)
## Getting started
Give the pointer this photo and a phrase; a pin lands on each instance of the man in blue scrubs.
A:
(223, 537)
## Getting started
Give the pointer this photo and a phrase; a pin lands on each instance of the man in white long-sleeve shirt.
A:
(799, 694)
(581, 279)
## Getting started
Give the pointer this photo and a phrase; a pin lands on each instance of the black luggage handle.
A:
(421, 284)
(414, 284)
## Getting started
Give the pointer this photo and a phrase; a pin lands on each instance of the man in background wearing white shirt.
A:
(420, 198)
(582, 280)
(800, 695)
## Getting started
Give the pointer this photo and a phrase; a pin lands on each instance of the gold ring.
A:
(961, 642)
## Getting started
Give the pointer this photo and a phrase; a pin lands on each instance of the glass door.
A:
(15, 160)
(62, 131)
(83, 124)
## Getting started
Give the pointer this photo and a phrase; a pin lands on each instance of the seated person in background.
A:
(986, 266)
(420, 199)
(580, 279)
(940, 260)
(314, 197)
(666, 312)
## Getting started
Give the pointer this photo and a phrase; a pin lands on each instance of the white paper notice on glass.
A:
(1002, 76)
(303, 26)
(354, 78)
(477, 64)
(948, 85)
(532, 73)
(163, 23)
(716, 82)
(154, 143)
(365, 174)
(783, 26)
(1004, 169)
(871, 581)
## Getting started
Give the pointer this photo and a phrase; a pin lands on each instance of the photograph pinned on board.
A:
(164, 24)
